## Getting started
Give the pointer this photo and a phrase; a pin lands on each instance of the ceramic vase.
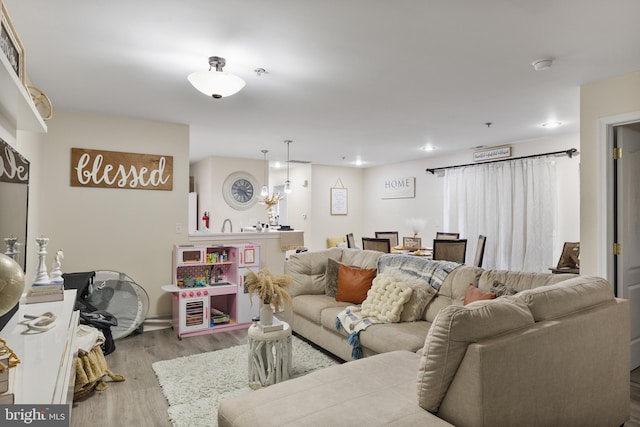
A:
(272, 215)
(266, 314)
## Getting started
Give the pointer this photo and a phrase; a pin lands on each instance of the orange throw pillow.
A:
(354, 283)
(475, 294)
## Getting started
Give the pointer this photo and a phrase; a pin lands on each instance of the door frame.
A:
(605, 215)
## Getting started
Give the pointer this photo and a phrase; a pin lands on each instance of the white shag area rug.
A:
(195, 385)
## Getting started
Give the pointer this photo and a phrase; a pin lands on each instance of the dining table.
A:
(425, 252)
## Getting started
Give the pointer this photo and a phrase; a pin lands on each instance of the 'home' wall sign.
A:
(399, 188)
(114, 169)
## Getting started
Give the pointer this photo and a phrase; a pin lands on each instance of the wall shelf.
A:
(16, 103)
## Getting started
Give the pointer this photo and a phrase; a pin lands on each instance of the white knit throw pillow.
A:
(386, 299)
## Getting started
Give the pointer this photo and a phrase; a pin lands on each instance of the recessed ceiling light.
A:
(551, 125)
(428, 147)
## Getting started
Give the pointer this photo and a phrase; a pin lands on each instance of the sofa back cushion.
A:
(359, 258)
(453, 329)
(308, 271)
(567, 297)
(453, 290)
(352, 258)
(519, 280)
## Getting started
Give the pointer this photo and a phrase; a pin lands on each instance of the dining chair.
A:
(373, 244)
(441, 235)
(482, 240)
(351, 242)
(450, 250)
(391, 235)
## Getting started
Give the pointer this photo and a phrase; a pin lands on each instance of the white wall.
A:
(209, 176)
(306, 208)
(600, 99)
(321, 223)
(131, 231)
(390, 214)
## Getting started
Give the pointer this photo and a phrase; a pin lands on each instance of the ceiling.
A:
(367, 80)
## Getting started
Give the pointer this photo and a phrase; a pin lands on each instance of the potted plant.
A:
(271, 291)
(270, 201)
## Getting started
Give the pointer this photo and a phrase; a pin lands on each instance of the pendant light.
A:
(287, 183)
(215, 82)
(265, 188)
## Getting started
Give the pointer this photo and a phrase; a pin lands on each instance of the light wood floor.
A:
(139, 401)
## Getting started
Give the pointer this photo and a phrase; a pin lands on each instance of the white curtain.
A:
(513, 203)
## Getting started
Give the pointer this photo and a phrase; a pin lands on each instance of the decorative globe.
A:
(11, 283)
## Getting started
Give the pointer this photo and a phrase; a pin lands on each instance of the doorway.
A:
(625, 174)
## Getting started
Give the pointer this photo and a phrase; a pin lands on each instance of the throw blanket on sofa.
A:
(351, 321)
(433, 272)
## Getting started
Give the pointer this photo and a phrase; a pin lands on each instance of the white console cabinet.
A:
(46, 373)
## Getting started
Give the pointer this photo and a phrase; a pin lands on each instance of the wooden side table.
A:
(565, 270)
(269, 356)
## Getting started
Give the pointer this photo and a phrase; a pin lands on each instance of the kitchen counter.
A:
(248, 233)
(274, 244)
(289, 240)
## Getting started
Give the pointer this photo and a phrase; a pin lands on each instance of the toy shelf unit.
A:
(208, 292)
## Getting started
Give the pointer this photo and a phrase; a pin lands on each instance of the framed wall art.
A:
(339, 199)
(10, 44)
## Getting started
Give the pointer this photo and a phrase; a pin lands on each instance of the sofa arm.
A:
(572, 371)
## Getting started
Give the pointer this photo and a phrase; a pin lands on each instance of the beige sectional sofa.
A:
(555, 353)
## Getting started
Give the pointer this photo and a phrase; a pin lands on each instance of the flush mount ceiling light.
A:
(215, 82)
(551, 125)
(265, 188)
(542, 64)
(287, 183)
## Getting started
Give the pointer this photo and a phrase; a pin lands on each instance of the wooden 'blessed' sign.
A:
(13, 167)
(114, 169)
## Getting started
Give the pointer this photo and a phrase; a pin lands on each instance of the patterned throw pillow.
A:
(386, 299)
(500, 289)
(475, 294)
(331, 277)
(354, 283)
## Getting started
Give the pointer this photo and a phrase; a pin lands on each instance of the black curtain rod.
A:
(570, 152)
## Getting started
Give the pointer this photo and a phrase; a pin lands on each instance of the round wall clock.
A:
(240, 190)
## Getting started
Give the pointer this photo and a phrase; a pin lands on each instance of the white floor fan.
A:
(121, 296)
